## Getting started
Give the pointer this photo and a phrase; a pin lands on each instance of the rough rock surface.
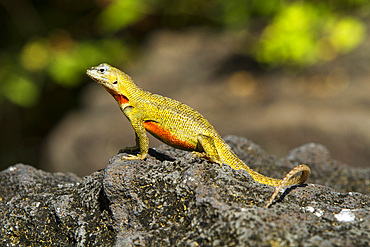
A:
(174, 199)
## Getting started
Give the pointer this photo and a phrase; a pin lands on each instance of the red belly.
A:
(166, 136)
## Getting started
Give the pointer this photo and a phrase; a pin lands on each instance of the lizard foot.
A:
(209, 157)
(133, 157)
(198, 155)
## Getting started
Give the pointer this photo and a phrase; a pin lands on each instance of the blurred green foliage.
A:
(120, 14)
(303, 34)
(56, 41)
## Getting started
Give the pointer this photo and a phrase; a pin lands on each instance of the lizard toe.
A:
(133, 157)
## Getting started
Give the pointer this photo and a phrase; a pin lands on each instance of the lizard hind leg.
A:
(207, 145)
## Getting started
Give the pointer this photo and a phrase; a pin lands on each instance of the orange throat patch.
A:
(121, 99)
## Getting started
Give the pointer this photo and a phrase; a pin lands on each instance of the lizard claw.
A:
(197, 154)
(207, 156)
(133, 157)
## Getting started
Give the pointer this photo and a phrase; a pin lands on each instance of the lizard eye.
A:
(115, 82)
(101, 70)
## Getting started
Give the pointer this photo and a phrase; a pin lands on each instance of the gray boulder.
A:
(174, 199)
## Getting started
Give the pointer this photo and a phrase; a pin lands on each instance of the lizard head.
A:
(105, 75)
(115, 82)
(112, 79)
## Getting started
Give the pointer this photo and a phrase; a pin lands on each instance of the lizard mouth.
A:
(96, 76)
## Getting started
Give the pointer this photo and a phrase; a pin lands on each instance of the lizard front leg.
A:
(142, 141)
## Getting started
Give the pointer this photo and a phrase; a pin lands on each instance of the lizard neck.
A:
(126, 94)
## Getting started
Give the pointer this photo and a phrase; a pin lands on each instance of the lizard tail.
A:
(306, 171)
(287, 180)
(280, 183)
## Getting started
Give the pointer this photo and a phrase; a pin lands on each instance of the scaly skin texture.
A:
(177, 125)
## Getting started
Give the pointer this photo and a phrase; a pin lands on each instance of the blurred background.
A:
(281, 73)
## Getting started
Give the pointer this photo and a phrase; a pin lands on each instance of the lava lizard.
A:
(177, 125)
